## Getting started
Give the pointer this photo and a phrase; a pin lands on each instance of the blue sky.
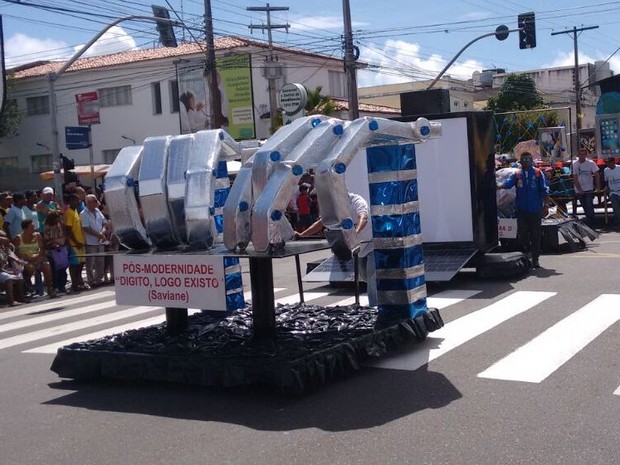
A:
(404, 39)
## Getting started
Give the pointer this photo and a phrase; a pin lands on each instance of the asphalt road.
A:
(526, 371)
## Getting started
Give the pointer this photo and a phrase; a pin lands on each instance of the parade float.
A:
(187, 228)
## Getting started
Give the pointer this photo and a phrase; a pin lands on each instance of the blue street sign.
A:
(77, 137)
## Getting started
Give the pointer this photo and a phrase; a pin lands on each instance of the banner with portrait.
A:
(234, 83)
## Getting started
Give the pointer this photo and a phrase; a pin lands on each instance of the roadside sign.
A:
(77, 137)
(293, 98)
(87, 108)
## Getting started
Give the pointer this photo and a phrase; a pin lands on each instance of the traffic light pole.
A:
(54, 76)
(451, 62)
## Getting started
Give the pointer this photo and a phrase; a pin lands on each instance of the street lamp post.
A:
(54, 76)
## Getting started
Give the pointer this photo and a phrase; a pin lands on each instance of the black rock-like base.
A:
(312, 346)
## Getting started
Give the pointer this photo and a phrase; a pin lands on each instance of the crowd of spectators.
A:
(41, 239)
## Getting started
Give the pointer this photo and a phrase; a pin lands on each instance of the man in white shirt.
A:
(93, 223)
(586, 175)
(612, 181)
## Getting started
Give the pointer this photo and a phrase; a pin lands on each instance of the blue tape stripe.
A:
(219, 223)
(394, 192)
(391, 158)
(400, 284)
(233, 281)
(230, 261)
(403, 258)
(396, 225)
(222, 169)
(404, 311)
(220, 196)
(235, 301)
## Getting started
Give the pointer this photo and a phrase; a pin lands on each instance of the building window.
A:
(465, 104)
(8, 165)
(337, 84)
(156, 93)
(37, 105)
(41, 163)
(174, 96)
(110, 155)
(114, 96)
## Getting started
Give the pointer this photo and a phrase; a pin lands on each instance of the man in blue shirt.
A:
(532, 190)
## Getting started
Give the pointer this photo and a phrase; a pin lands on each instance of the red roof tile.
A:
(41, 68)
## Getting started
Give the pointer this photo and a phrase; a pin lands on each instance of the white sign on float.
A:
(179, 281)
(507, 228)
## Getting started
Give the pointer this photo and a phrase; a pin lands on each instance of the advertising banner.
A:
(179, 281)
(234, 77)
(87, 108)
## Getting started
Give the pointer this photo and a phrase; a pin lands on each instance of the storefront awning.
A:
(82, 171)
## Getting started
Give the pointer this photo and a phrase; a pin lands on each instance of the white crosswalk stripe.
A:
(533, 362)
(75, 326)
(52, 348)
(544, 354)
(464, 329)
(31, 309)
(56, 316)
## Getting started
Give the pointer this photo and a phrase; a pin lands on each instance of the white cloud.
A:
(301, 23)
(476, 15)
(401, 61)
(21, 49)
(113, 41)
(568, 59)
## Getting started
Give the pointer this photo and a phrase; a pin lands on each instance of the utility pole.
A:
(272, 71)
(574, 31)
(349, 62)
(210, 71)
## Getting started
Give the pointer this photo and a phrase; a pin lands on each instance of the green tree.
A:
(10, 120)
(319, 104)
(517, 93)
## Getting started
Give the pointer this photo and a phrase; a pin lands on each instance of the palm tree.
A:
(318, 104)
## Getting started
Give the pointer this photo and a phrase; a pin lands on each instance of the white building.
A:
(557, 87)
(138, 97)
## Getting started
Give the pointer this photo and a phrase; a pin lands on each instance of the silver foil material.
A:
(269, 224)
(208, 149)
(329, 176)
(240, 201)
(398, 209)
(397, 242)
(402, 297)
(153, 193)
(400, 273)
(388, 176)
(122, 200)
(178, 159)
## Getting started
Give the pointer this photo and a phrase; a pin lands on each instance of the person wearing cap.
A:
(15, 216)
(45, 205)
(585, 175)
(530, 202)
(612, 188)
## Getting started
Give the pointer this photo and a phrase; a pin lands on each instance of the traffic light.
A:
(166, 32)
(527, 35)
